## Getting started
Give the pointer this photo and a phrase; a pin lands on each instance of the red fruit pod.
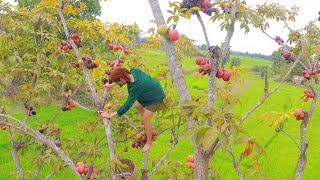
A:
(126, 51)
(95, 170)
(301, 116)
(226, 75)
(314, 72)
(68, 108)
(203, 62)
(121, 61)
(173, 34)
(318, 71)
(65, 47)
(199, 60)
(76, 65)
(75, 36)
(61, 47)
(207, 67)
(304, 72)
(69, 46)
(76, 41)
(219, 73)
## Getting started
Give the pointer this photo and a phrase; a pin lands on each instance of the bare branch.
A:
(36, 173)
(274, 90)
(49, 176)
(131, 123)
(291, 138)
(285, 47)
(286, 24)
(15, 157)
(203, 28)
(175, 142)
(27, 130)
(144, 169)
(235, 164)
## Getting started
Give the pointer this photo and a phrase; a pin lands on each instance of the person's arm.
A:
(108, 85)
(134, 93)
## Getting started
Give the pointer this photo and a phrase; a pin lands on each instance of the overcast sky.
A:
(130, 11)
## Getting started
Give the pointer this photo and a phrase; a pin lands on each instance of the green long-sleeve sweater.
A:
(144, 89)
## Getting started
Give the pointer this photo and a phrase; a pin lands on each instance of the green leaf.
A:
(169, 19)
(196, 112)
(171, 12)
(210, 137)
(188, 103)
(223, 142)
(227, 27)
(176, 19)
(258, 148)
(243, 139)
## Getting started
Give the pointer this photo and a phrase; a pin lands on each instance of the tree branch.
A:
(290, 138)
(144, 169)
(27, 130)
(235, 164)
(15, 157)
(274, 90)
(175, 142)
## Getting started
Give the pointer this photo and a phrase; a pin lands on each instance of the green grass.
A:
(282, 154)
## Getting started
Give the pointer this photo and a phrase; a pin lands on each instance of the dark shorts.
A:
(155, 106)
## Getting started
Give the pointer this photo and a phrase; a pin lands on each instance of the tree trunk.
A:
(201, 162)
(175, 68)
(303, 136)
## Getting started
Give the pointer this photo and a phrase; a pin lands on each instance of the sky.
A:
(139, 11)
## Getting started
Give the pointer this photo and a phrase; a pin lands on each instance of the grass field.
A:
(282, 153)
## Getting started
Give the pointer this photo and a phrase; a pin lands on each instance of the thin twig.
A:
(290, 138)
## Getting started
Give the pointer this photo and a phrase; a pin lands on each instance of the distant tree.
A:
(276, 58)
(235, 61)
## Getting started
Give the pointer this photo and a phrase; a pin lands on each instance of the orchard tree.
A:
(92, 10)
(53, 67)
(203, 119)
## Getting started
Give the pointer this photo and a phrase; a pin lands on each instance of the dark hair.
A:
(119, 72)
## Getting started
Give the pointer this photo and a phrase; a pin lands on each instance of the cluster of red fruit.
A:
(307, 94)
(224, 74)
(299, 114)
(204, 5)
(30, 110)
(112, 63)
(205, 66)
(84, 169)
(313, 73)
(75, 37)
(287, 56)
(70, 105)
(279, 40)
(142, 138)
(116, 48)
(87, 61)
(190, 161)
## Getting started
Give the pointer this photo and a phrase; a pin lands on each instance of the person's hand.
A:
(105, 115)
(108, 85)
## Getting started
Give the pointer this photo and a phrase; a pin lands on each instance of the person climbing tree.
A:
(142, 88)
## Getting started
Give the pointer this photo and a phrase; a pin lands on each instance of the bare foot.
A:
(146, 147)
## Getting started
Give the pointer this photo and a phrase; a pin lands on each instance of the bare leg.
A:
(146, 117)
(140, 108)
